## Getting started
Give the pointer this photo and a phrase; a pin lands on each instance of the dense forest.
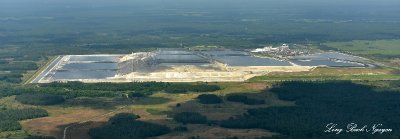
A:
(244, 99)
(125, 126)
(319, 104)
(136, 86)
(18, 66)
(190, 118)
(209, 99)
(40, 99)
(12, 77)
(9, 118)
(140, 87)
(79, 89)
(183, 88)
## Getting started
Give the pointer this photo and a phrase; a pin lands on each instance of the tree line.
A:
(321, 103)
(244, 99)
(146, 88)
(190, 118)
(9, 118)
(40, 99)
(125, 126)
(209, 99)
(79, 89)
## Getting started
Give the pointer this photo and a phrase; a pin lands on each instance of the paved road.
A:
(48, 68)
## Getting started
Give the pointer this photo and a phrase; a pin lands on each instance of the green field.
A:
(389, 48)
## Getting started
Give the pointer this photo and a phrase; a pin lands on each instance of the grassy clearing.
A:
(331, 74)
(151, 101)
(228, 109)
(364, 47)
(156, 112)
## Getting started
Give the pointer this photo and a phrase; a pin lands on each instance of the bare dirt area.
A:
(209, 132)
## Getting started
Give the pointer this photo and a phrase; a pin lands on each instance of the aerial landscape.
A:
(199, 69)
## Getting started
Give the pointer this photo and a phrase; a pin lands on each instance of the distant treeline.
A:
(17, 90)
(12, 77)
(136, 86)
(125, 126)
(190, 118)
(321, 103)
(9, 118)
(15, 66)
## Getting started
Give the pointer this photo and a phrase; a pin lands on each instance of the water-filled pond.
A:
(88, 67)
(84, 74)
(98, 58)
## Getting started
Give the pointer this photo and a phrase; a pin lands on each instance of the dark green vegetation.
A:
(125, 126)
(136, 95)
(48, 94)
(39, 137)
(183, 88)
(181, 129)
(209, 99)
(9, 125)
(122, 117)
(113, 89)
(40, 99)
(321, 103)
(190, 118)
(9, 118)
(244, 99)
